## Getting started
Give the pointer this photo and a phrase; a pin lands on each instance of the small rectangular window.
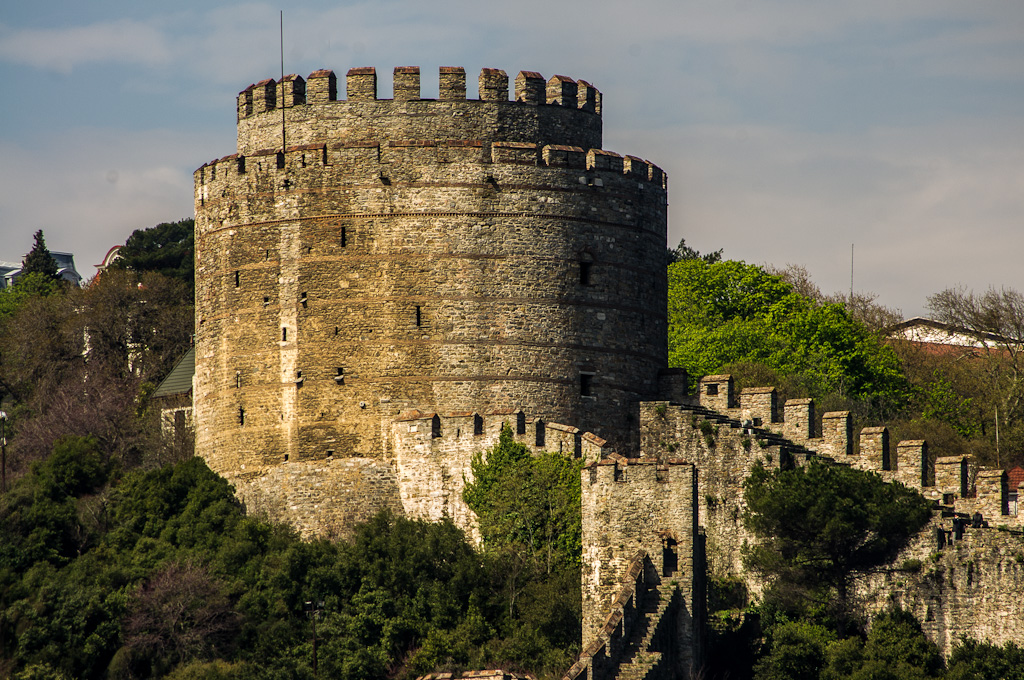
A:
(302, 299)
(712, 390)
(238, 378)
(339, 377)
(280, 161)
(266, 301)
(419, 316)
(284, 335)
(344, 238)
(241, 416)
(585, 277)
(586, 385)
(478, 424)
(238, 278)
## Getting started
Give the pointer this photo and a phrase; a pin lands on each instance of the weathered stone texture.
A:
(641, 505)
(433, 452)
(966, 587)
(447, 256)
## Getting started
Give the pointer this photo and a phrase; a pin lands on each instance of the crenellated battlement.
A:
(397, 161)
(375, 277)
(955, 482)
(433, 453)
(361, 85)
(556, 111)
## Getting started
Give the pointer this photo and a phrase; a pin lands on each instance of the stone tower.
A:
(452, 256)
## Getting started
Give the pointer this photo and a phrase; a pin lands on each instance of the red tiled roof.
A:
(1015, 477)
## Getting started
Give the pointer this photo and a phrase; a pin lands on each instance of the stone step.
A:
(640, 668)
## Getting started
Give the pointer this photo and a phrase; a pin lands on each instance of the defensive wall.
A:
(962, 575)
(959, 581)
(382, 284)
(447, 255)
(640, 522)
(424, 479)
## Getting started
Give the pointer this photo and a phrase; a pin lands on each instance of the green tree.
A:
(530, 502)
(168, 249)
(796, 651)
(985, 380)
(39, 260)
(685, 252)
(973, 660)
(726, 312)
(820, 526)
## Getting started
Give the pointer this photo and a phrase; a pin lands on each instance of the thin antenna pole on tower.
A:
(284, 145)
(851, 274)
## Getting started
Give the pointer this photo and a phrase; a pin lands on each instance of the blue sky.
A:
(789, 128)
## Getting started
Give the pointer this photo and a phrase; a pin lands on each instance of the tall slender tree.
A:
(39, 260)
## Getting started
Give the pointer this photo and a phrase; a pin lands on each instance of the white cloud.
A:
(928, 207)
(63, 49)
(89, 189)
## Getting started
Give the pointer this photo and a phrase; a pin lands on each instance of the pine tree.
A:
(39, 259)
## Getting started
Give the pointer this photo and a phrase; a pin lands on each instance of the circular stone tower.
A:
(358, 258)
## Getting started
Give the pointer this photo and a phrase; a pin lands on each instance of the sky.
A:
(792, 131)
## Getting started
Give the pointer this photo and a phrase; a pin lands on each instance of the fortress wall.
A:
(433, 274)
(433, 455)
(557, 119)
(957, 587)
(723, 453)
(424, 479)
(319, 498)
(632, 505)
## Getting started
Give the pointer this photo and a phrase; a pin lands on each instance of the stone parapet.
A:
(560, 110)
(448, 255)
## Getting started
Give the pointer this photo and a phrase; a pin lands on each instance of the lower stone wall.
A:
(320, 498)
(433, 455)
(423, 479)
(966, 587)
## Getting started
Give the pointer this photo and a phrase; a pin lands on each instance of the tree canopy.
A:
(39, 260)
(168, 249)
(725, 312)
(821, 525)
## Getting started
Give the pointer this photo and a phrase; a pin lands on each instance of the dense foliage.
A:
(75, 361)
(529, 516)
(167, 249)
(144, 573)
(528, 503)
(821, 525)
(725, 312)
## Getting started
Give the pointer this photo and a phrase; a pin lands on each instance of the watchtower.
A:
(446, 255)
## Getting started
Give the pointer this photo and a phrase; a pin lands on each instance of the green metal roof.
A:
(179, 380)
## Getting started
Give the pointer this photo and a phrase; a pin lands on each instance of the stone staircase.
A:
(768, 438)
(638, 660)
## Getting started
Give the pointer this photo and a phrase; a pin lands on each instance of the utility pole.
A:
(313, 609)
(3, 451)
(284, 142)
(997, 438)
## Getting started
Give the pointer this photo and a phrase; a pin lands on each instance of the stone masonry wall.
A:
(632, 505)
(957, 586)
(448, 256)
(424, 479)
(432, 456)
(969, 587)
